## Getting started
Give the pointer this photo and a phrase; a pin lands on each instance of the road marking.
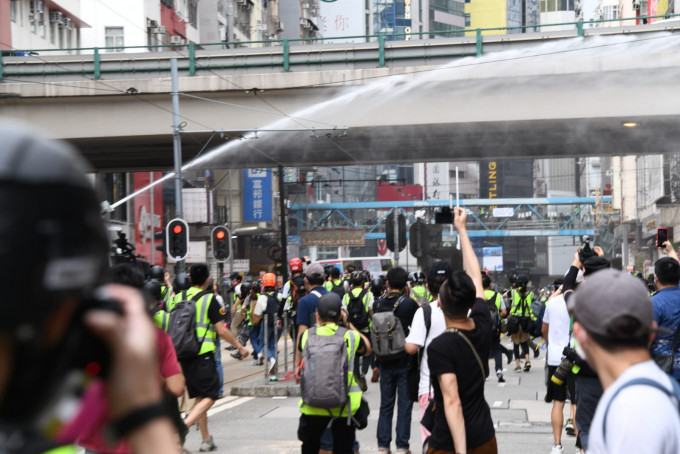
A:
(279, 397)
(498, 403)
(228, 405)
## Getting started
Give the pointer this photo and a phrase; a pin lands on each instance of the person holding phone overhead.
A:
(666, 302)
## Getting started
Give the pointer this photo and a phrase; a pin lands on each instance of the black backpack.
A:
(297, 289)
(358, 315)
(495, 316)
(272, 310)
(182, 327)
(338, 289)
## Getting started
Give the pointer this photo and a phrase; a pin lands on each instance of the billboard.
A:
(437, 181)
(148, 216)
(257, 195)
(342, 18)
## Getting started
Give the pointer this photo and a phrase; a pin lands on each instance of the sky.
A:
(588, 7)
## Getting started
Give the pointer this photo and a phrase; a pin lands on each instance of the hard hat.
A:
(295, 264)
(269, 280)
(157, 272)
(181, 282)
(152, 290)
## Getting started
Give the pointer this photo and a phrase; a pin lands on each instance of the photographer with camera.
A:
(587, 384)
(556, 330)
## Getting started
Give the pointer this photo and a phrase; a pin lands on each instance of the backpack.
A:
(182, 327)
(495, 317)
(358, 315)
(641, 381)
(297, 289)
(338, 289)
(387, 334)
(272, 310)
(325, 368)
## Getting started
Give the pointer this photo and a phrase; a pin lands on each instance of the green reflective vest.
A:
(203, 325)
(68, 449)
(489, 293)
(522, 307)
(355, 393)
(249, 308)
(338, 283)
(161, 318)
(366, 300)
(165, 294)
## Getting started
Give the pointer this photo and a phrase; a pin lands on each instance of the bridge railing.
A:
(361, 51)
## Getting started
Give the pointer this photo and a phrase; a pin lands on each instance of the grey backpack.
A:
(323, 382)
(387, 335)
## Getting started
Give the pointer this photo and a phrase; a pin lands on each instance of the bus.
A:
(375, 265)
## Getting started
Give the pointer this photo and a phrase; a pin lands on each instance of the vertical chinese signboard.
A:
(257, 195)
(148, 216)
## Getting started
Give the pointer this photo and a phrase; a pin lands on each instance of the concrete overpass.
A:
(547, 94)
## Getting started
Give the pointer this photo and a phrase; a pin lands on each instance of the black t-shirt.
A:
(404, 312)
(449, 353)
(215, 312)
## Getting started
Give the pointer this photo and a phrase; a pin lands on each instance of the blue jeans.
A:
(393, 387)
(271, 341)
(218, 363)
(255, 339)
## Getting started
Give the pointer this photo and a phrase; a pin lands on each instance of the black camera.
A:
(585, 252)
(566, 366)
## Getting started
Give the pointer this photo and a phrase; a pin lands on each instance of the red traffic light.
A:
(177, 229)
(220, 234)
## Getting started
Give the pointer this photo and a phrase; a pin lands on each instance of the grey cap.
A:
(608, 295)
(314, 271)
(329, 306)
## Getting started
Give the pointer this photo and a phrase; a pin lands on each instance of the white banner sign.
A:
(197, 253)
(503, 212)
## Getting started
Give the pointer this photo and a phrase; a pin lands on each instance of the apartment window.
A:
(114, 39)
(14, 10)
(467, 20)
(611, 12)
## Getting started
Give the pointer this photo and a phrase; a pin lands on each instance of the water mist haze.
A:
(557, 99)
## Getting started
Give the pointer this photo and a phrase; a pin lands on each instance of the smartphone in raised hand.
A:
(661, 236)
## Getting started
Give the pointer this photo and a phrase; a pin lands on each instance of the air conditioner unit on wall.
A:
(67, 23)
(175, 39)
(152, 23)
(279, 26)
(56, 16)
(161, 30)
(40, 7)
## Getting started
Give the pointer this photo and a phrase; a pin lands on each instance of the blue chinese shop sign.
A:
(257, 195)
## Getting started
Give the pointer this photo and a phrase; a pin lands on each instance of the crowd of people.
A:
(98, 356)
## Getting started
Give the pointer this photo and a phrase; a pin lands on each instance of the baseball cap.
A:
(608, 295)
(329, 306)
(314, 271)
(595, 263)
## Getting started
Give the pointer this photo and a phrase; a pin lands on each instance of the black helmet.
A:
(377, 286)
(181, 282)
(419, 277)
(152, 290)
(157, 272)
(246, 287)
(53, 250)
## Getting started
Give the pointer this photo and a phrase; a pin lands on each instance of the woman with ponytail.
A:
(459, 360)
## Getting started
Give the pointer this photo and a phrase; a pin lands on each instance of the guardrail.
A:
(362, 52)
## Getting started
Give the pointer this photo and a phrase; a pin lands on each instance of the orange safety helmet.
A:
(295, 264)
(269, 280)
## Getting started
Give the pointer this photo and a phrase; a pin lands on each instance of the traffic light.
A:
(160, 236)
(389, 231)
(177, 239)
(220, 238)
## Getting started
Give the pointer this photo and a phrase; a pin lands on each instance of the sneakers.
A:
(556, 449)
(536, 352)
(499, 374)
(375, 377)
(362, 383)
(260, 359)
(518, 369)
(208, 445)
(255, 362)
(231, 348)
(527, 366)
(237, 355)
(272, 366)
(569, 427)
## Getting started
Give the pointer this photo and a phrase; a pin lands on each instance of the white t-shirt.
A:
(640, 419)
(261, 305)
(417, 336)
(557, 316)
(285, 292)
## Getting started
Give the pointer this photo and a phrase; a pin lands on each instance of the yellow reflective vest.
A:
(522, 307)
(355, 393)
(205, 330)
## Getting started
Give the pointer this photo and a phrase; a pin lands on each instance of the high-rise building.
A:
(502, 13)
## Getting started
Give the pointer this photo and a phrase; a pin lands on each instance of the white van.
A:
(374, 265)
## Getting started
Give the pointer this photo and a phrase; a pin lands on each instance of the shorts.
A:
(519, 337)
(557, 392)
(201, 376)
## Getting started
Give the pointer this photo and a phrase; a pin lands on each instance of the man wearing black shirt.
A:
(393, 385)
